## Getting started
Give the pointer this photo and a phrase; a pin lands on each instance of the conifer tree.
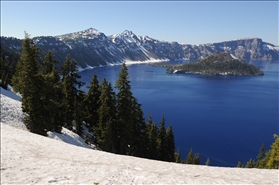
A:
(8, 61)
(107, 133)
(190, 157)
(239, 164)
(4, 72)
(177, 157)
(71, 84)
(207, 162)
(170, 144)
(137, 128)
(197, 159)
(79, 113)
(91, 104)
(261, 161)
(273, 154)
(28, 82)
(152, 135)
(52, 95)
(251, 164)
(262, 152)
(162, 140)
(124, 108)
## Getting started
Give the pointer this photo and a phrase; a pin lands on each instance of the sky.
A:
(187, 22)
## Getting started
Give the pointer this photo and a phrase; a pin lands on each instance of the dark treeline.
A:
(52, 99)
(8, 61)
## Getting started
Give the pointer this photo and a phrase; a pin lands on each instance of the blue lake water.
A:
(223, 118)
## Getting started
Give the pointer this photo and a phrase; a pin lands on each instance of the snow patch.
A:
(151, 60)
(9, 93)
(225, 48)
(234, 57)
(127, 61)
(268, 47)
(11, 112)
(68, 136)
(28, 158)
(12, 115)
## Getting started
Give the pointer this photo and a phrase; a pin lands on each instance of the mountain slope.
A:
(28, 158)
(93, 48)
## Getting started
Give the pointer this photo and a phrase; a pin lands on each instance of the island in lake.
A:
(220, 63)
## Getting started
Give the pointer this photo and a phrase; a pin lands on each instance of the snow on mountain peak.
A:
(90, 33)
(127, 32)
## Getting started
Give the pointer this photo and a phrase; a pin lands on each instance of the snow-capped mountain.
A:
(93, 48)
(90, 33)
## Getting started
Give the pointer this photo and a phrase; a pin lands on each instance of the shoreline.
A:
(128, 62)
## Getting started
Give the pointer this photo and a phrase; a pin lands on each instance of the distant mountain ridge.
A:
(93, 48)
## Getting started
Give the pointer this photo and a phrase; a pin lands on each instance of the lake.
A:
(223, 118)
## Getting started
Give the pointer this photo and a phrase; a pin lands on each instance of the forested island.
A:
(220, 63)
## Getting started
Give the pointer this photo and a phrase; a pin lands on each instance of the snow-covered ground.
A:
(69, 137)
(11, 114)
(28, 158)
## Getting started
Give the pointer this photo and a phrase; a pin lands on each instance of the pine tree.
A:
(91, 104)
(124, 108)
(3, 72)
(197, 159)
(28, 82)
(177, 157)
(8, 61)
(251, 164)
(170, 144)
(137, 130)
(262, 152)
(79, 114)
(207, 162)
(273, 154)
(190, 157)
(239, 164)
(107, 133)
(152, 135)
(52, 96)
(261, 161)
(71, 84)
(162, 140)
